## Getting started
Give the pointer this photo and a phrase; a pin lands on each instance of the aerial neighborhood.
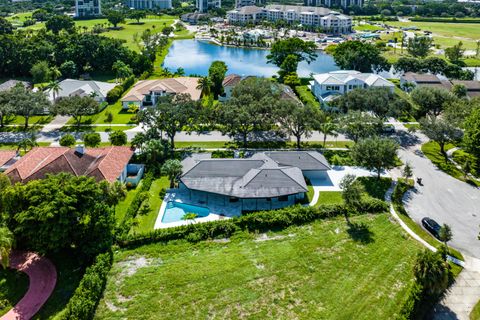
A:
(239, 159)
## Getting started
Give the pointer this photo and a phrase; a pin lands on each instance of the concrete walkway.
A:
(42, 276)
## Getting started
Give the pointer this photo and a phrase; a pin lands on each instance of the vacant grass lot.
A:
(322, 270)
(13, 286)
(447, 34)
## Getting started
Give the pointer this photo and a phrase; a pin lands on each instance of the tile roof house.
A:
(7, 158)
(7, 85)
(146, 92)
(424, 80)
(72, 87)
(276, 178)
(473, 87)
(327, 86)
(109, 163)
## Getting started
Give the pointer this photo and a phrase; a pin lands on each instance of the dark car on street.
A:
(432, 226)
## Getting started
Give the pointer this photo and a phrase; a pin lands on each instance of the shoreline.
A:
(218, 43)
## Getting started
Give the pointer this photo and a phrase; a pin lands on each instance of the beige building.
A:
(146, 92)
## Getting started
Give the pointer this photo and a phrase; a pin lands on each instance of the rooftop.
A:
(170, 85)
(344, 76)
(72, 87)
(101, 163)
(9, 84)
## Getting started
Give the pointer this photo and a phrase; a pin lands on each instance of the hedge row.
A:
(258, 221)
(116, 93)
(85, 299)
(138, 200)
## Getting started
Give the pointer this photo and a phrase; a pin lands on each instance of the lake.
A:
(196, 56)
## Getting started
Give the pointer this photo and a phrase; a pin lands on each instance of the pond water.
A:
(196, 56)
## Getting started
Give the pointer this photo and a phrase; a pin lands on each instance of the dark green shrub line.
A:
(86, 297)
(258, 221)
(138, 200)
(117, 91)
(445, 20)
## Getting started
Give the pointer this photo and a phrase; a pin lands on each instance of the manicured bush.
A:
(258, 221)
(92, 139)
(118, 138)
(85, 299)
(67, 140)
(115, 94)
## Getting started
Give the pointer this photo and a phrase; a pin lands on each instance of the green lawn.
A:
(475, 314)
(329, 197)
(33, 120)
(147, 222)
(432, 152)
(13, 286)
(322, 270)
(122, 207)
(447, 34)
(120, 116)
(224, 144)
(14, 146)
(367, 27)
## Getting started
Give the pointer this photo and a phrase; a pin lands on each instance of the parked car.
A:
(389, 129)
(432, 226)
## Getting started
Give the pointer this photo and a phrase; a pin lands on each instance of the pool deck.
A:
(218, 211)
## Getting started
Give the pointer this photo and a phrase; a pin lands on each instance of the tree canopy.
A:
(360, 56)
(216, 74)
(419, 46)
(76, 107)
(431, 100)
(27, 103)
(375, 154)
(293, 47)
(60, 22)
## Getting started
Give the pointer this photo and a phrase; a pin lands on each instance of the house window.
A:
(283, 198)
(233, 199)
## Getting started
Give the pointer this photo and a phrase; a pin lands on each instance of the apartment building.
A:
(330, 21)
(205, 5)
(87, 8)
(333, 3)
(149, 4)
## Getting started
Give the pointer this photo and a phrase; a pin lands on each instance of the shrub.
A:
(118, 138)
(67, 140)
(262, 220)
(85, 299)
(92, 139)
(115, 94)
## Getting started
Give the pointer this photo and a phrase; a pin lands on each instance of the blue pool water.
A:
(196, 56)
(174, 211)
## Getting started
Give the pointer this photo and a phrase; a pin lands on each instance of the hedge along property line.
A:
(117, 91)
(83, 303)
(135, 205)
(258, 221)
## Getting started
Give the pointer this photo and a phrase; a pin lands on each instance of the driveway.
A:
(442, 197)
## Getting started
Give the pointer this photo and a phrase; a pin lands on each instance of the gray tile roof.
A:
(7, 85)
(265, 175)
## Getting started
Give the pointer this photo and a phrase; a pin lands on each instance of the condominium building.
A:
(149, 4)
(333, 3)
(205, 5)
(244, 3)
(87, 8)
(330, 21)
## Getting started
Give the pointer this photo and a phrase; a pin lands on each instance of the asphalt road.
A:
(443, 198)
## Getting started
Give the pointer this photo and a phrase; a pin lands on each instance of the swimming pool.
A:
(174, 211)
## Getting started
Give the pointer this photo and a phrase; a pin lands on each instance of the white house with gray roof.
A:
(267, 180)
(327, 86)
(71, 87)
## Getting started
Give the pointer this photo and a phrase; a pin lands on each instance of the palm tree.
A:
(172, 168)
(190, 216)
(431, 272)
(54, 86)
(6, 245)
(204, 84)
(327, 128)
(445, 235)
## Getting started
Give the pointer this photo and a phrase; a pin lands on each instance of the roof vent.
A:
(80, 149)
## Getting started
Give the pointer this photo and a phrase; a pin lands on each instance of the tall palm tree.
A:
(6, 245)
(327, 128)
(172, 168)
(54, 86)
(204, 84)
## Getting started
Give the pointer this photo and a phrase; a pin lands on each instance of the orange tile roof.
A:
(101, 163)
(6, 155)
(169, 85)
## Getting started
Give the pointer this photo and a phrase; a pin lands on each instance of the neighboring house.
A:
(265, 181)
(146, 92)
(231, 81)
(149, 4)
(423, 80)
(473, 87)
(327, 86)
(7, 85)
(330, 21)
(194, 18)
(7, 159)
(205, 5)
(88, 8)
(70, 87)
(109, 163)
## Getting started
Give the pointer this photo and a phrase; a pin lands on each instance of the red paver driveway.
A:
(43, 277)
